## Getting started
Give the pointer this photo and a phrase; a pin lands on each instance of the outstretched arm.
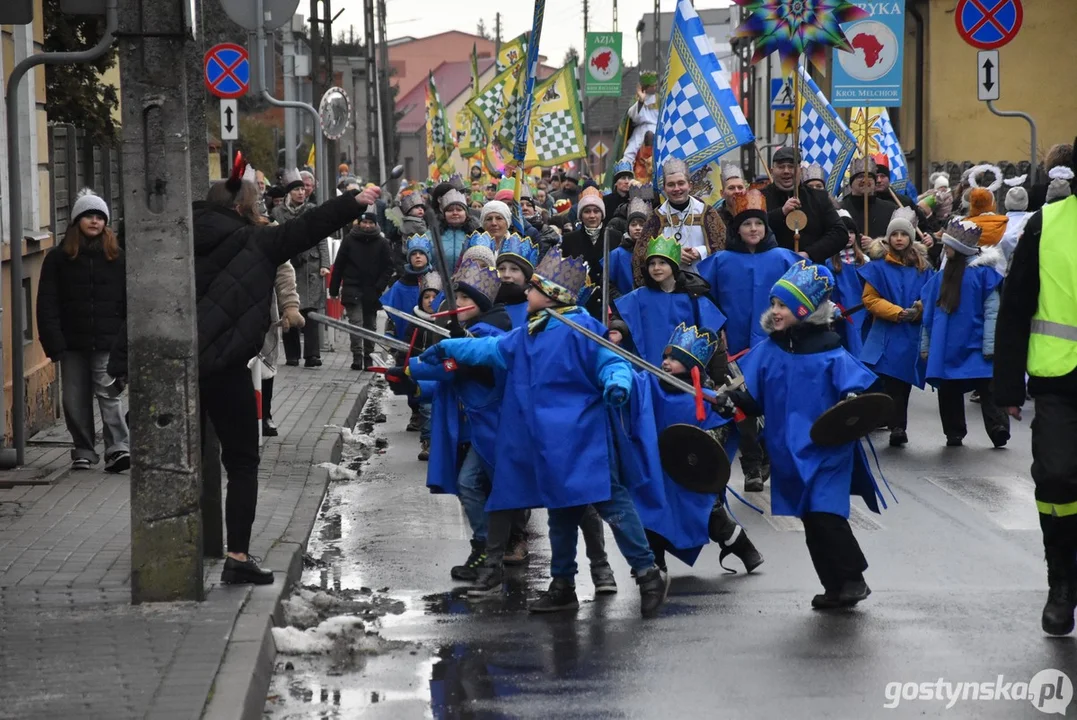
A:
(467, 351)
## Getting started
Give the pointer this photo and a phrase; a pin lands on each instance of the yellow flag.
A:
(310, 157)
(555, 134)
(512, 52)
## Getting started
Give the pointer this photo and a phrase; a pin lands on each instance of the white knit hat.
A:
(903, 220)
(495, 207)
(88, 201)
(1016, 199)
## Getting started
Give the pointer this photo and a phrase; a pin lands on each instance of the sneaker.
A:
(118, 461)
(743, 549)
(953, 441)
(653, 586)
(753, 481)
(1000, 437)
(602, 577)
(240, 572)
(415, 423)
(81, 464)
(488, 583)
(269, 428)
(898, 437)
(424, 450)
(560, 597)
(518, 552)
(974, 396)
(469, 571)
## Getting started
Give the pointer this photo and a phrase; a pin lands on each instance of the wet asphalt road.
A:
(956, 572)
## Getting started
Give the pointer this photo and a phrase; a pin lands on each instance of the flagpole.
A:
(523, 124)
(762, 160)
(867, 224)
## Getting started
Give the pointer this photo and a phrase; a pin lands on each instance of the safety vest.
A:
(1052, 347)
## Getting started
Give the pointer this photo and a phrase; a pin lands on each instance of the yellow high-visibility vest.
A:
(1052, 347)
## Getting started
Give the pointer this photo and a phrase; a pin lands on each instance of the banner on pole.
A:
(872, 73)
(604, 65)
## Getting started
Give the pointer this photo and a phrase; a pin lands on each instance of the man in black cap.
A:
(570, 187)
(823, 235)
(880, 210)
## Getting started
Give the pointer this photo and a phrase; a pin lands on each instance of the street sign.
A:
(988, 24)
(783, 122)
(603, 53)
(781, 94)
(987, 85)
(599, 149)
(872, 73)
(228, 70)
(244, 13)
(229, 120)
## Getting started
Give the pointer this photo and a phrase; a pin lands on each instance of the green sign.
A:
(603, 63)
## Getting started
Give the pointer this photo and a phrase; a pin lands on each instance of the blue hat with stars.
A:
(481, 239)
(420, 243)
(623, 167)
(520, 251)
(692, 346)
(803, 288)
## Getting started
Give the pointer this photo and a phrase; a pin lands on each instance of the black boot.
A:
(653, 586)
(561, 596)
(1061, 594)
(469, 571)
(850, 593)
(488, 583)
(269, 428)
(415, 423)
(732, 539)
(240, 572)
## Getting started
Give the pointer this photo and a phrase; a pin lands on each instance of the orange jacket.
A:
(993, 227)
(877, 305)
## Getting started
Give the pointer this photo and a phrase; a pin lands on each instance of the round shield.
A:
(335, 110)
(796, 220)
(852, 419)
(693, 459)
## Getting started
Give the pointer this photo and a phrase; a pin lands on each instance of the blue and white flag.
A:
(888, 143)
(700, 119)
(824, 138)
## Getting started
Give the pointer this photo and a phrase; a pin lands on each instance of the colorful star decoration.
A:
(798, 27)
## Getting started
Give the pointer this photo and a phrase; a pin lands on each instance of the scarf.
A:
(537, 321)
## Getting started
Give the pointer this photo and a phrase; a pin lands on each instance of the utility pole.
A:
(497, 33)
(290, 133)
(375, 152)
(387, 104)
(166, 518)
(614, 15)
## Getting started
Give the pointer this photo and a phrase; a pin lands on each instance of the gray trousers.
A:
(359, 315)
(84, 377)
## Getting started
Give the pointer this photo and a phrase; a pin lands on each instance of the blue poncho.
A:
(893, 349)
(848, 292)
(621, 270)
(652, 315)
(404, 297)
(957, 338)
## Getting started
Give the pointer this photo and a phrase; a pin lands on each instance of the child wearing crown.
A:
(681, 521)
(670, 296)
(515, 266)
(621, 256)
(798, 373)
(556, 378)
(957, 336)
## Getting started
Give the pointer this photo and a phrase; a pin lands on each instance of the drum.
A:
(693, 459)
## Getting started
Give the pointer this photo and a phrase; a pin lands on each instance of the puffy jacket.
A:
(825, 235)
(363, 268)
(81, 301)
(235, 270)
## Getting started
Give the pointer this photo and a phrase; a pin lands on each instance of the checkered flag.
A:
(555, 137)
(824, 138)
(899, 169)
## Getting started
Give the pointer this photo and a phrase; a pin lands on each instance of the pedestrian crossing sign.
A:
(781, 94)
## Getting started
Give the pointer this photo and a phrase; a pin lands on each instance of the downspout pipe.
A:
(9, 459)
(921, 156)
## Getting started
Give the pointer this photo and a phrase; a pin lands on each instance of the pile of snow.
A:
(338, 635)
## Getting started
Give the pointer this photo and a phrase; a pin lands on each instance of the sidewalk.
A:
(71, 643)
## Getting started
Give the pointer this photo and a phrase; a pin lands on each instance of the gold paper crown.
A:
(751, 200)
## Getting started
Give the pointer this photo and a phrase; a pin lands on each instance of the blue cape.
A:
(518, 314)
(678, 515)
(557, 449)
(740, 285)
(794, 390)
(652, 315)
(848, 292)
(894, 348)
(462, 411)
(404, 298)
(957, 339)
(621, 270)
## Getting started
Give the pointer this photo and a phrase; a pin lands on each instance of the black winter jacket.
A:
(825, 235)
(81, 301)
(235, 269)
(880, 210)
(363, 268)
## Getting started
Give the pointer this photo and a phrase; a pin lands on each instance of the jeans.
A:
(834, 551)
(619, 512)
(360, 315)
(594, 537)
(312, 340)
(83, 378)
(473, 488)
(228, 401)
(427, 413)
(952, 407)
(899, 391)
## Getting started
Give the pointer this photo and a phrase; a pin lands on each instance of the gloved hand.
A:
(615, 395)
(435, 354)
(291, 318)
(456, 330)
(400, 383)
(724, 405)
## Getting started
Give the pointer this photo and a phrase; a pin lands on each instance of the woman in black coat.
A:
(81, 307)
(236, 257)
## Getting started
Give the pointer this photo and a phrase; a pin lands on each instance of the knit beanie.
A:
(88, 202)
(495, 207)
(902, 221)
(848, 222)
(981, 200)
(590, 197)
(1016, 200)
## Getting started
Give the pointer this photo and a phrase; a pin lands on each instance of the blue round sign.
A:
(228, 70)
(988, 24)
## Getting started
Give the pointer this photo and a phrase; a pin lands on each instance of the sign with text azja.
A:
(603, 63)
(872, 73)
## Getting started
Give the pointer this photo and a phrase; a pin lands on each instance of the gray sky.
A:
(563, 26)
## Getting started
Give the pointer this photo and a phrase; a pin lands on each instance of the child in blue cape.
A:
(639, 210)
(466, 402)
(849, 287)
(794, 376)
(678, 520)
(670, 296)
(515, 266)
(892, 287)
(740, 279)
(958, 336)
(558, 452)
